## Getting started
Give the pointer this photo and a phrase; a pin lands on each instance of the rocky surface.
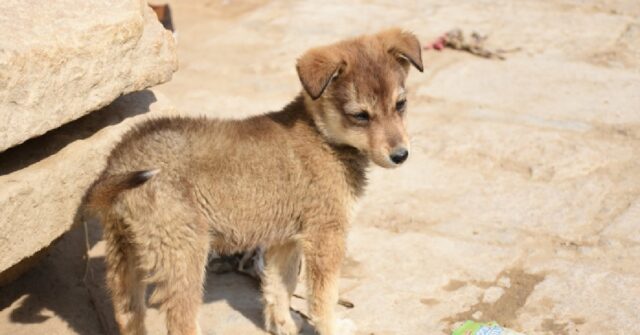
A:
(43, 180)
(520, 201)
(64, 59)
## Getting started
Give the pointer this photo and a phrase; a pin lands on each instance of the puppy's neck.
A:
(356, 164)
(302, 115)
(354, 161)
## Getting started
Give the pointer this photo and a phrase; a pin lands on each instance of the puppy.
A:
(176, 188)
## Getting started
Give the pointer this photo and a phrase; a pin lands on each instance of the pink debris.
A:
(438, 44)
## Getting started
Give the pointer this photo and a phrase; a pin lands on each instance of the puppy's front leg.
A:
(278, 284)
(324, 250)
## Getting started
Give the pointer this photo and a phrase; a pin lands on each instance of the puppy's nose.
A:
(399, 155)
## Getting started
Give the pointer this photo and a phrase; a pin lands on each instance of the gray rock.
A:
(64, 59)
(43, 180)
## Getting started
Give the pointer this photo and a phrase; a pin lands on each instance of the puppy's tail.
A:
(101, 194)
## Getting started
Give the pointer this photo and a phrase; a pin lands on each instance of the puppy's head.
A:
(355, 92)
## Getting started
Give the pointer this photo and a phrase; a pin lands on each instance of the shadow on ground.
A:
(35, 297)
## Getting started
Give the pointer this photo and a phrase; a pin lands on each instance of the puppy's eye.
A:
(363, 116)
(401, 105)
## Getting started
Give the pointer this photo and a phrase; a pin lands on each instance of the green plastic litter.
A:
(479, 328)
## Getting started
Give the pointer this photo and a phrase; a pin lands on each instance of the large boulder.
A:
(43, 180)
(62, 59)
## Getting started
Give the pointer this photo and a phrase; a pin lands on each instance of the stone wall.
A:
(62, 65)
(64, 59)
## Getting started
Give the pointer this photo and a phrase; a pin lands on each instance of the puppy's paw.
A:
(345, 327)
(281, 324)
(286, 328)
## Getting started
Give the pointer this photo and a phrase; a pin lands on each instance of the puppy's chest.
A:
(353, 207)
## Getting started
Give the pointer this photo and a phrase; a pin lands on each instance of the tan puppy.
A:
(176, 188)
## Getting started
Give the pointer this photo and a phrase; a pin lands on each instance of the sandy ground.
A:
(520, 201)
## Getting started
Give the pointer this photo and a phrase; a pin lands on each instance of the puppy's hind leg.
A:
(282, 264)
(124, 280)
(179, 274)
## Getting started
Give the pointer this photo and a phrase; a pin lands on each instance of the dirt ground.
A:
(520, 201)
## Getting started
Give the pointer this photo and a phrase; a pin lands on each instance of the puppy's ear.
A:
(403, 45)
(317, 67)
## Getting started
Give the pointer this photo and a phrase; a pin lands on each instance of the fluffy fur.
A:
(175, 189)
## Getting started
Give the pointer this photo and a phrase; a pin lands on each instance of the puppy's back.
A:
(153, 144)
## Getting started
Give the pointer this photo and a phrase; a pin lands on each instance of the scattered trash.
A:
(473, 44)
(478, 328)
(342, 302)
(250, 264)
